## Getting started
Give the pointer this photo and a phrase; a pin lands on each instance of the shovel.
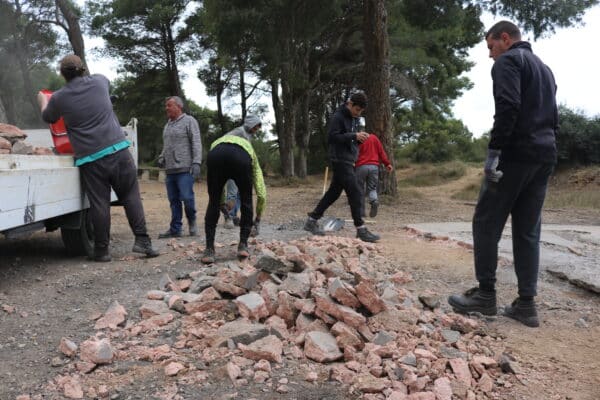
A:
(332, 224)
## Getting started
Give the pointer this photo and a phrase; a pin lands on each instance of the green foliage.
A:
(578, 140)
(144, 97)
(435, 138)
(540, 16)
(26, 48)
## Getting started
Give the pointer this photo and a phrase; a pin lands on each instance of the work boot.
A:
(236, 221)
(101, 255)
(228, 223)
(243, 250)
(312, 225)
(524, 312)
(366, 236)
(208, 257)
(193, 228)
(374, 207)
(169, 234)
(474, 300)
(143, 245)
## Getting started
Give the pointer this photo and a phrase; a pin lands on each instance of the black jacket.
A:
(526, 117)
(343, 146)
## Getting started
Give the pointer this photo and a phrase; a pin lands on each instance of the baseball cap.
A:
(72, 62)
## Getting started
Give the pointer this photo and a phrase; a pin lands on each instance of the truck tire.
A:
(80, 241)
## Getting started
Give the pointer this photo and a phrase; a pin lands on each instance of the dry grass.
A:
(433, 175)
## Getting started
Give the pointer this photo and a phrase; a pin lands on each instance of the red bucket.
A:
(59, 131)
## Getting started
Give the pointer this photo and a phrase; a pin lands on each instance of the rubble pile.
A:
(12, 141)
(320, 306)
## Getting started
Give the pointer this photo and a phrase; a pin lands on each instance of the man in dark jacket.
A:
(100, 153)
(521, 157)
(343, 140)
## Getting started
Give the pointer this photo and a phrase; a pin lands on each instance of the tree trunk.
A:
(286, 139)
(172, 69)
(242, 72)
(74, 30)
(276, 102)
(3, 117)
(304, 136)
(377, 83)
(219, 94)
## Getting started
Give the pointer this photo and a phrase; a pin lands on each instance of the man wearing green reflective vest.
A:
(233, 157)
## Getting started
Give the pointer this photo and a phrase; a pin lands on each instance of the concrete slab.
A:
(571, 252)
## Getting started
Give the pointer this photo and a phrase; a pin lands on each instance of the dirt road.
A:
(46, 296)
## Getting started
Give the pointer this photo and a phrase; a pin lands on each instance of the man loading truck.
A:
(101, 153)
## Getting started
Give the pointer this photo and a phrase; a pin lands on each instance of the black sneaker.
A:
(366, 236)
(169, 234)
(312, 226)
(236, 221)
(374, 207)
(243, 250)
(524, 312)
(193, 228)
(101, 255)
(474, 300)
(143, 245)
(208, 257)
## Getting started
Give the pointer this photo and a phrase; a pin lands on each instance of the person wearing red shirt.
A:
(370, 155)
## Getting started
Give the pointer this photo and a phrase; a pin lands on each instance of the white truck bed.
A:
(35, 188)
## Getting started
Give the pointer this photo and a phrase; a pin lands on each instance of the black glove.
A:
(491, 163)
(195, 171)
(255, 228)
(160, 162)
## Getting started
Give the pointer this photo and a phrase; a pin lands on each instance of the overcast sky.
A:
(569, 53)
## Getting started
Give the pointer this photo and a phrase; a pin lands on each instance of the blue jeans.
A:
(180, 188)
(519, 193)
(233, 196)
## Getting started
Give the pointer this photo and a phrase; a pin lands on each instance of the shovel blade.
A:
(332, 224)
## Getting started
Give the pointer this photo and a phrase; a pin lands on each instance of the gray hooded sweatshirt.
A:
(244, 131)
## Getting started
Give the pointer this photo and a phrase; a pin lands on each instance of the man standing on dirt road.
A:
(181, 156)
(100, 153)
(343, 140)
(521, 157)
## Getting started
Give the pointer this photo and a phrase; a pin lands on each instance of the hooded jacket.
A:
(526, 115)
(341, 136)
(244, 131)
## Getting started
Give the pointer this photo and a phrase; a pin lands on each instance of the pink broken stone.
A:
(173, 368)
(67, 347)
(97, 351)
(321, 347)
(367, 295)
(268, 348)
(252, 306)
(114, 316)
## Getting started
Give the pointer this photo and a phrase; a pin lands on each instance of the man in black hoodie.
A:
(521, 157)
(343, 140)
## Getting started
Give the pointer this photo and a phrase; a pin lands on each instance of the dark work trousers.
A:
(344, 178)
(520, 193)
(117, 170)
(228, 161)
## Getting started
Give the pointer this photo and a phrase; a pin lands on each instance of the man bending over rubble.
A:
(233, 157)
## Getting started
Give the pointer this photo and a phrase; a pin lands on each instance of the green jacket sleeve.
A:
(259, 186)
